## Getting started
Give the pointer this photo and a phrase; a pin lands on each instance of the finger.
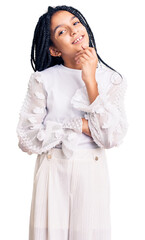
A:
(86, 52)
(81, 51)
(81, 60)
(93, 51)
(82, 55)
(84, 47)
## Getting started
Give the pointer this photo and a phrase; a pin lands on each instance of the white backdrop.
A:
(118, 27)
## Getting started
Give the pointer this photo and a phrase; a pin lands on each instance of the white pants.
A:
(71, 198)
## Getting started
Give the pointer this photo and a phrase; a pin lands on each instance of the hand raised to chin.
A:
(88, 59)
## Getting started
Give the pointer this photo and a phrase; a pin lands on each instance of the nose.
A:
(73, 31)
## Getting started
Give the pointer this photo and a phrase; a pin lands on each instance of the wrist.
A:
(85, 127)
(91, 82)
(83, 124)
(89, 78)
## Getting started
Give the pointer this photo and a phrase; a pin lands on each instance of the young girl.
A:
(73, 111)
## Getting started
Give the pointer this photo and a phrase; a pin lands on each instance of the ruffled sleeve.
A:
(35, 136)
(106, 115)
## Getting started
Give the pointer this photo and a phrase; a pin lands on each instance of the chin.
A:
(86, 44)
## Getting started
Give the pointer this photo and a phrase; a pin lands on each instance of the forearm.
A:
(92, 90)
(85, 127)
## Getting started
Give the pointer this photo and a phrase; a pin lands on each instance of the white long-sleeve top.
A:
(58, 93)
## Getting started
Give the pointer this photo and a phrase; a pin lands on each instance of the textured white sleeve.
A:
(35, 136)
(106, 115)
(75, 124)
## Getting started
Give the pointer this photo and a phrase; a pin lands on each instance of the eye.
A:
(76, 22)
(61, 32)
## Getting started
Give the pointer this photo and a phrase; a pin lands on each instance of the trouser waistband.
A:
(77, 154)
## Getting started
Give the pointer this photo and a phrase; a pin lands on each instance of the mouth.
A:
(78, 40)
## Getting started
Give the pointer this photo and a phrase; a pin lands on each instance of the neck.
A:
(72, 64)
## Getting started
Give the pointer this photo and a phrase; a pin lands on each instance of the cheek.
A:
(86, 33)
(65, 42)
(83, 28)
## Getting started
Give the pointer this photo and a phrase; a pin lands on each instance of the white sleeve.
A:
(35, 136)
(106, 115)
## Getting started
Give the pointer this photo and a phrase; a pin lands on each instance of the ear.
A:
(54, 52)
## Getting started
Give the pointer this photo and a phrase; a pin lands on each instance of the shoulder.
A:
(111, 76)
(49, 70)
(42, 76)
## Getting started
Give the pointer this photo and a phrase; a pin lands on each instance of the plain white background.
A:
(118, 27)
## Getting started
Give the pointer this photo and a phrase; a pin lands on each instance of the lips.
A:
(79, 38)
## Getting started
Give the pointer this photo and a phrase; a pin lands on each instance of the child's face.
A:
(65, 28)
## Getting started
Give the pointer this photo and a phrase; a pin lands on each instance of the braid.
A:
(40, 54)
(39, 45)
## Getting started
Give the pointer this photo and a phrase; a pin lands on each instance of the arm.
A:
(88, 76)
(85, 127)
(35, 136)
(92, 90)
(104, 111)
(106, 114)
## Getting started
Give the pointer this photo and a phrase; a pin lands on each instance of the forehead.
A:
(60, 17)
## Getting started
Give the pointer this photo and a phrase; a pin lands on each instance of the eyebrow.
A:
(62, 24)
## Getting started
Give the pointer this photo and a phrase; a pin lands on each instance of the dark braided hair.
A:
(40, 54)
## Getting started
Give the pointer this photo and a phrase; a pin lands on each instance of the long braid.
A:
(40, 54)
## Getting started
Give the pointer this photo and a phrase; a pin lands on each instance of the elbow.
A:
(115, 139)
(23, 141)
(109, 140)
(107, 136)
(23, 147)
